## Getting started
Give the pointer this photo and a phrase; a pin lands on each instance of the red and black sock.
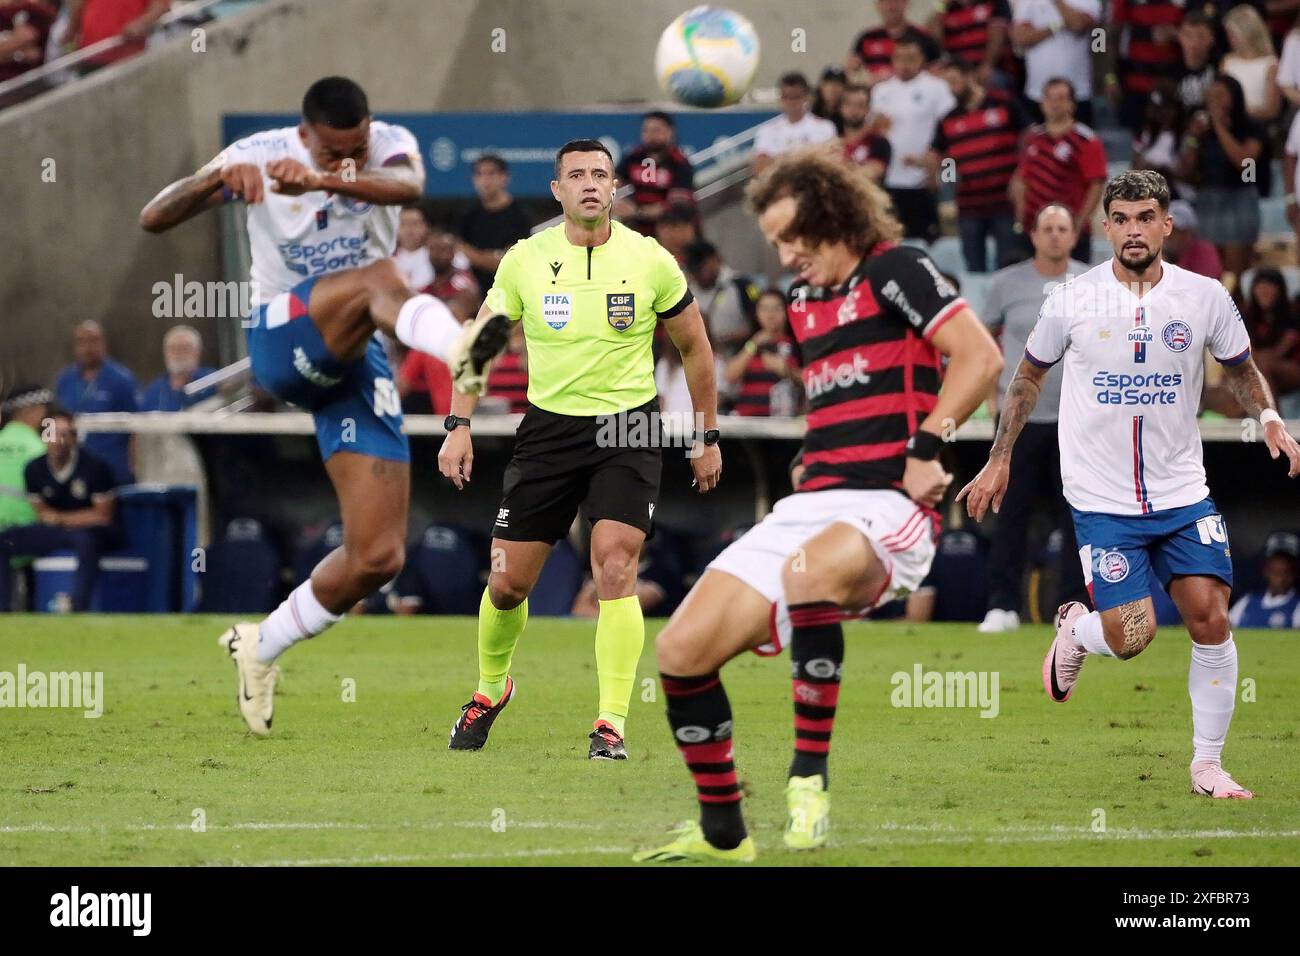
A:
(700, 717)
(816, 654)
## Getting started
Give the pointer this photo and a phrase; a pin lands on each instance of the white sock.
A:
(1088, 633)
(427, 325)
(1212, 685)
(300, 616)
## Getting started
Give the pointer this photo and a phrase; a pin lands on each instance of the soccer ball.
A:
(707, 57)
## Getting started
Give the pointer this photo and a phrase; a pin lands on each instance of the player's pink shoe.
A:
(1209, 779)
(1065, 657)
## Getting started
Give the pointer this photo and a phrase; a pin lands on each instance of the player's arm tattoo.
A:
(1135, 622)
(1022, 396)
(1248, 386)
(182, 199)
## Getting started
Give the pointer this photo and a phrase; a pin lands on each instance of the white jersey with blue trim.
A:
(293, 238)
(1131, 384)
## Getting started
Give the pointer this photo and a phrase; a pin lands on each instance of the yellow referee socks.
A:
(620, 635)
(498, 633)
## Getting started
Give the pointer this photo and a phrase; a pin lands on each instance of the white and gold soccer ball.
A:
(707, 57)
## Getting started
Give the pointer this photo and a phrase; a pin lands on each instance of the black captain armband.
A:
(924, 445)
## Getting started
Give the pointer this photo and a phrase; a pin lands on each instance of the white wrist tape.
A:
(1269, 415)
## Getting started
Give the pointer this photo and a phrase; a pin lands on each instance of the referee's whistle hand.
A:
(456, 457)
(707, 466)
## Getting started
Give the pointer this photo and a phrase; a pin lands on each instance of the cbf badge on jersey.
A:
(557, 309)
(620, 308)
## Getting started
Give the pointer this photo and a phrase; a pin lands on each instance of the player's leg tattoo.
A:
(1137, 629)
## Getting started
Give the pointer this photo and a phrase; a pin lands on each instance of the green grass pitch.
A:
(168, 776)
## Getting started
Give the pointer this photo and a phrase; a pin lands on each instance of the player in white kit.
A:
(1133, 333)
(323, 203)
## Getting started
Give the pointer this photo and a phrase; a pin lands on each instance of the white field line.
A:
(885, 834)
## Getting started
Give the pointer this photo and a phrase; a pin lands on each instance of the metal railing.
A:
(729, 157)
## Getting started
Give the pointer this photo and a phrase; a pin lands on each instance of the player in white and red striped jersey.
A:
(872, 320)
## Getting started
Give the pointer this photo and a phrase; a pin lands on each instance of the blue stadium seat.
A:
(959, 577)
(559, 583)
(310, 556)
(975, 289)
(448, 567)
(242, 575)
(945, 253)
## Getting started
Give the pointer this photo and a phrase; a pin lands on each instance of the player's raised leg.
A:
(620, 631)
(720, 618)
(1211, 680)
(502, 614)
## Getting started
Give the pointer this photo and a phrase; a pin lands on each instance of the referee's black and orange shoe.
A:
(470, 732)
(606, 743)
(483, 340)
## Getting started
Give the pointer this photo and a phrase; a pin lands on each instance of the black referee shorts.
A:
(607, 465)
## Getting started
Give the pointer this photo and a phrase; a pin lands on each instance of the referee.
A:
(591, 294)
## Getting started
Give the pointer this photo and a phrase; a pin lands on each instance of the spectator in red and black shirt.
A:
(863, 146)
(457, 287)
(1144, 39)
(508, 379)
(872, 56)
(1061, 161)
(765, 361)
(982, 138)
(659, 173)
(975, 32)
(24, 31)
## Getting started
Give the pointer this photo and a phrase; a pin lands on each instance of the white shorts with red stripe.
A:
(901, 532)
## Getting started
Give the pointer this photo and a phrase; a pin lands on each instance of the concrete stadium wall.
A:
(115, 138)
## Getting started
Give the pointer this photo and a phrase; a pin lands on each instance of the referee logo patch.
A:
(620, 309)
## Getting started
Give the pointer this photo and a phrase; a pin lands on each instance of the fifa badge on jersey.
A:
(620, 309)
(1111, 566)
(557, 309)
(1177, 335)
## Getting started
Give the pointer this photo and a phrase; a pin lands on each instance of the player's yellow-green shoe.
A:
(691, 847)
(810, 813)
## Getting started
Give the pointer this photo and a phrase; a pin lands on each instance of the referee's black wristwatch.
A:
(710, 436)
(452, 422)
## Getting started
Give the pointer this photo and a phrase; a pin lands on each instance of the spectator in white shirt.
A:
(411, 256)
(795, 127)
(908, 108)
(1053, 36)
(1252, 62)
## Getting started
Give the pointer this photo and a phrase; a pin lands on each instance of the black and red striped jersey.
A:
(875, 48)
(755, 394)
(1143, 62)
(869, 369)
(965, 28)
(509, 380)
(984, 144)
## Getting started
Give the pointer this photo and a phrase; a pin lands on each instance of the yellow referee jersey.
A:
(589, 316)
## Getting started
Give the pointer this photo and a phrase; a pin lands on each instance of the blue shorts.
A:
(1118, 552)
(354, 404)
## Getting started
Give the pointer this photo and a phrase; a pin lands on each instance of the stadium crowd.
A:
(980, 126)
